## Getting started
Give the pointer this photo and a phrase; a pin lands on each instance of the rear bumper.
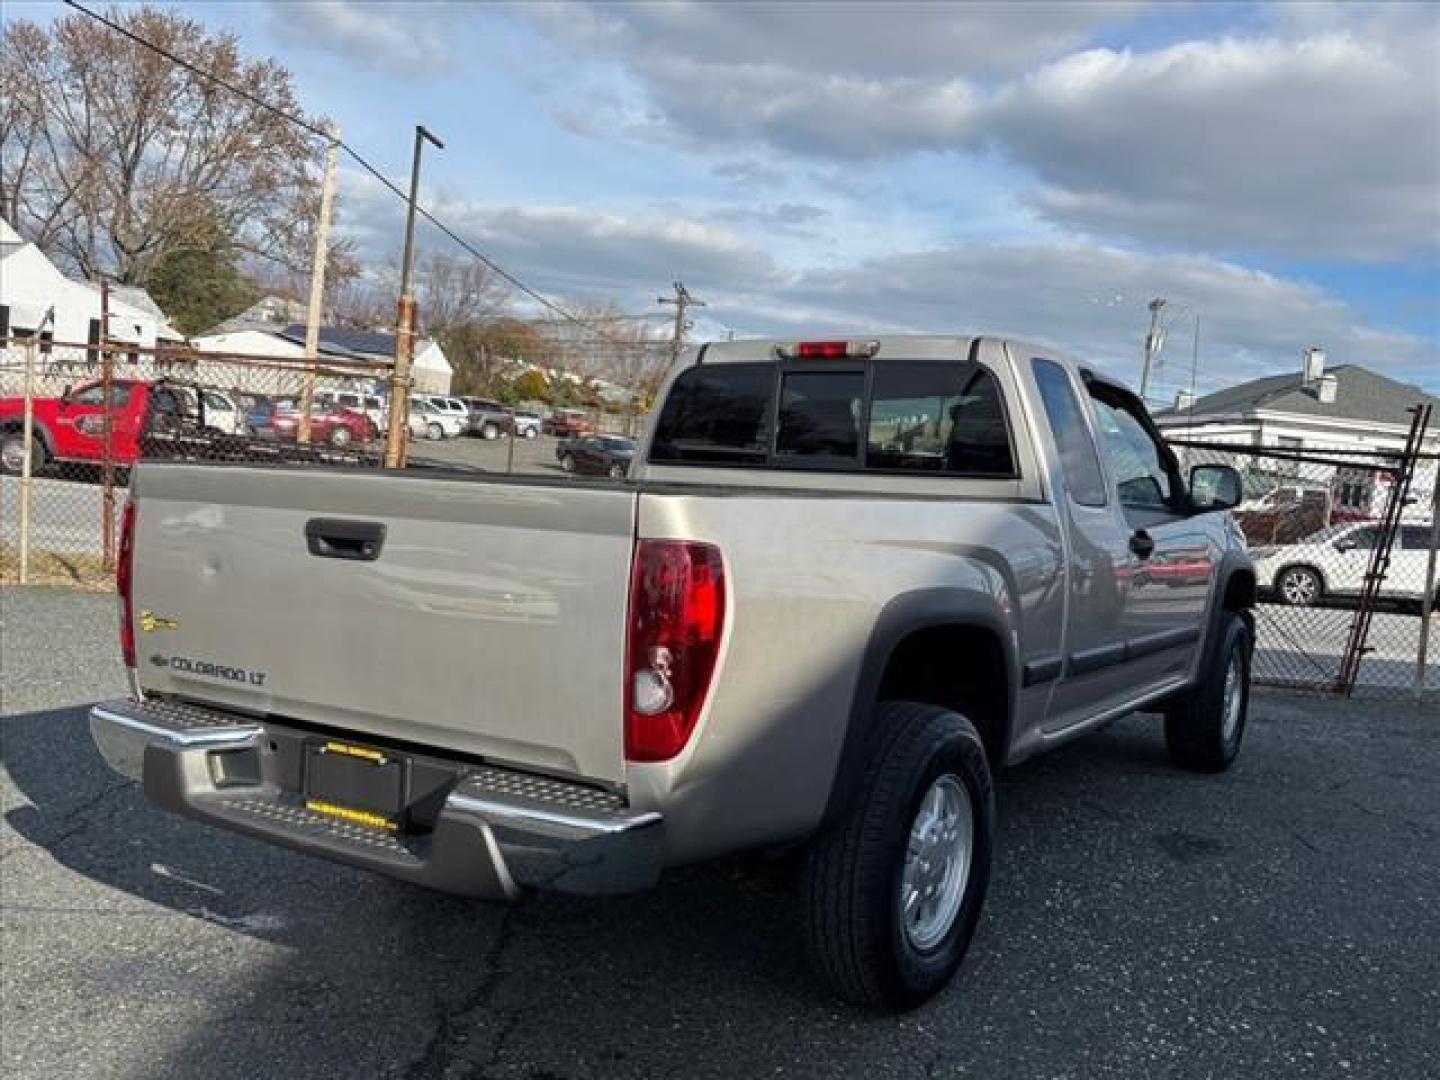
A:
(497, 831)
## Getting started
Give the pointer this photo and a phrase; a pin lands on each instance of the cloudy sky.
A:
(1038, 170)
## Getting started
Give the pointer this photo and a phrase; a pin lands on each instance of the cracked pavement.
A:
(1276, 921)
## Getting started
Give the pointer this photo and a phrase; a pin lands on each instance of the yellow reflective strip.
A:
(355, 751)
(359, 817)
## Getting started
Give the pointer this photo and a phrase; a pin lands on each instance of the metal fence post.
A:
(1427, 600)
(107, 428)
(28, 443)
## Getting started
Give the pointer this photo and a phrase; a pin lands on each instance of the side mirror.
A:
(1344, 546)
(1215, 487)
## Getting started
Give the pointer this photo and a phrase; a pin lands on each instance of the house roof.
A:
(268, 313)
(1360, 394)
(337, 341)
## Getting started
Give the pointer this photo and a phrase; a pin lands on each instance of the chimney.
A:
(1183, 400)
(1329, 385)
(1314, 365)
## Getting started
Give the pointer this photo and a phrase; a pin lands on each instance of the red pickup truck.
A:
(71, 427)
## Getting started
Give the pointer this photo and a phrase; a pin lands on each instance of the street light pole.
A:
(1152, 344)
(396, 444)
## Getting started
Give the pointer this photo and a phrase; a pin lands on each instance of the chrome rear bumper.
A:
(498, 829)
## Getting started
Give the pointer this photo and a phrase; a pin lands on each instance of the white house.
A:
(258, 332)
(1346, 408)
(31, 285)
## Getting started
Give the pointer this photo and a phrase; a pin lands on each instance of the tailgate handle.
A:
(336, 538)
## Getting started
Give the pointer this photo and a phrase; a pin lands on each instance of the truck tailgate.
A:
(491, 622)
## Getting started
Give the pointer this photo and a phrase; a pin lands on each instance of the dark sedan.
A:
(596, 455)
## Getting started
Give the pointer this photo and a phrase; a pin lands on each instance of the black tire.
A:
(531, 432)
(567, 462)
(340, 436)
(851, 877)
(1299, 586)
(489, 432)
(12, 452)
(618, 472)
(434, 432)
(1197, 734)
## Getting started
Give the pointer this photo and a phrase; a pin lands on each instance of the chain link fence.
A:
(1345, 548)
(63, 485)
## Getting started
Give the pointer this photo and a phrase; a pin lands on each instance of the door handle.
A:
(337, 538)
(1142, 544)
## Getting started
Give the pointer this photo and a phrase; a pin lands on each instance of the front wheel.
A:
(1203, 728)
(490, 432)
(892, 891)
(340, 437)
(567, 462)
(617, 472)
(12, 453)
(1300, 586)
(434, 432)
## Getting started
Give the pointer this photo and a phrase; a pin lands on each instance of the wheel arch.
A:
(41, 432)
(911, 655)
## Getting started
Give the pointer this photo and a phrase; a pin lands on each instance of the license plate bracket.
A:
(358, 784)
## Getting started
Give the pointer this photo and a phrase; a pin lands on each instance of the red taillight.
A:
(124, 580)
(677, 614)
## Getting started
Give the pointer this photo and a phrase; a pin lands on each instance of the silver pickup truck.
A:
(844, 582)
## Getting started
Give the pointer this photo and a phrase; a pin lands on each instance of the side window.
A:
(1362, 539)
(717, 415)
(820, 414)
(1078, 459)
(937, 416)
(1135, 459)
(1415, 537)
(95, 395)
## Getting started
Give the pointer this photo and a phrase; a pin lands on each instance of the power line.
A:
(355, 155)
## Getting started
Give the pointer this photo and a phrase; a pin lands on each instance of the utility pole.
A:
(396, 437)
(1153, 341)
(314, 313)
(682, 300)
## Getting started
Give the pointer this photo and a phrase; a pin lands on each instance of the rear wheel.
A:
(1300, 586)
(892, 891)
(567, 462)
(1203, 729)
(434, 431)
(489, 432)
(340, 436)
(12, 452)
(617, 472)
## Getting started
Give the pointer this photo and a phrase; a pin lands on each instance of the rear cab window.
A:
(922, 417)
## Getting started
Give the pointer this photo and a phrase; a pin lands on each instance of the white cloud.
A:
(414, 40)
(1318, 138)
(1084, 297)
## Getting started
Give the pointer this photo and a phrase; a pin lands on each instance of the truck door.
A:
(81, 418)
(1171, 552)
(1092, 676)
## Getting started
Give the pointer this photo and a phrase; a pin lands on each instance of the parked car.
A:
(328, 424)
(223, 412)
(846, 583)
(489, 419)
(567, 422)
(451, 405)
(70, 428)
(426, 421)
(596, 455)
(372, 406)
(1333, 562)
(259, 411)
(527, 424)
(440, 423)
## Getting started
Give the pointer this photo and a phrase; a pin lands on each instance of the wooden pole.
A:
(314, 313)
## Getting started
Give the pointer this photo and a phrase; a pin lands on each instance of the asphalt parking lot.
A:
(1279, 920)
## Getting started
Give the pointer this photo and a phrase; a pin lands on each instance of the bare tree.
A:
(114, 156)
(453, 292)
